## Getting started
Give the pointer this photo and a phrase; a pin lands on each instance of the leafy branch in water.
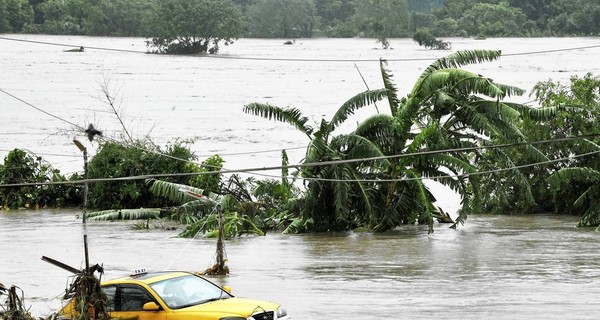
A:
(424, 38)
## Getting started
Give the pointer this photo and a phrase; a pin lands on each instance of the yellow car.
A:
(180, 296)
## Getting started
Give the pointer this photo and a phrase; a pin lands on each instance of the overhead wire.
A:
(254, 152)
(112, 139)
(237, 57)
(336, 162)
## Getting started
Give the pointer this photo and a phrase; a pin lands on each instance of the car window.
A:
(132, 298)
(187, 291)
(110, 292)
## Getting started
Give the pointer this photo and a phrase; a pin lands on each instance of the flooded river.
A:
(201, 98)
(509, 267)
(493, 267)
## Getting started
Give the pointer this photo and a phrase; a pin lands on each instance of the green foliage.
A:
(14, 15)
(193, 26)
(328, 197)
(335, 17)
(588, 200)
(124, 214)
(493, 20)
(114, 160)
(234, 224)
(21, 167)
(281, 18)
(381, 19)
(63, 17)
(210, 179)
(118, 18)
(424, 38)
(574, 17)
(564, 112)
(448, 108)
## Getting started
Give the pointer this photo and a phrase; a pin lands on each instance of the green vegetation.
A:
(22, 167)
(185, 26)
(447, 108)
(448, 128)
(424, 38)
(565, 187)
(191, 26)
(281, 19)
(143, 157)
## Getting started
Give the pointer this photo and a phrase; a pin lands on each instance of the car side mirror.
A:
(151, 306)
(227, 289)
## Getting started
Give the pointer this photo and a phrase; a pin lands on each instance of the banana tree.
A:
(328, 201)
(197, 214)
(588, 180)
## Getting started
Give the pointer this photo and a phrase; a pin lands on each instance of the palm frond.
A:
(422, 137)
(195, 207)
(591, 216)
(364, 193)
(358, 101)
(426, 199)
(380, 129)
(360, 147)
(392, 91)
(341, 191)
(291, 116)
(125, 214)
(496, 109)
(573, 174)
(468, 116)
(172, 191)
(462, 58)
(540, 114)
(519, 177)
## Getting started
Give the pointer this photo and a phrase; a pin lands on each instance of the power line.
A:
(69, 45)
(335, 162)
(299, 59)
(39, 109)
(111, 139)
(256, 152)
(108, 138)
(44, 154)
(464, 175)
(271, 59)
(168, 175)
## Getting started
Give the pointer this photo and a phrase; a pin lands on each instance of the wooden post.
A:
(220, 250)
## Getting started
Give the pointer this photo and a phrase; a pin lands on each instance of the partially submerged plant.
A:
(14, 308)
(88, 301)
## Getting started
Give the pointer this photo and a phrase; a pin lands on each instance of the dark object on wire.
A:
(91, 132)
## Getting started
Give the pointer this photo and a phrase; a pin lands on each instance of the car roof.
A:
(148, 277)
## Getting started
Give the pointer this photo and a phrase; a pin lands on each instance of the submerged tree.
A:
(424, 38)
(334, 191)
(194, 26)
(568, 184)
(373, 176)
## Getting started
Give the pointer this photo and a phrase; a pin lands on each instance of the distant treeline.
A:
(316, 18)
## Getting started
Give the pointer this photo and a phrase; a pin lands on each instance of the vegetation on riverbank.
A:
(455, 127)
(200, 25)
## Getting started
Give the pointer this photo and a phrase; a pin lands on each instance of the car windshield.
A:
(187, 291)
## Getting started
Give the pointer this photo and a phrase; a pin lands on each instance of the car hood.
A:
(234, 306)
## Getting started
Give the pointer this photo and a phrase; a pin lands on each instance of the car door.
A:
(127, 302)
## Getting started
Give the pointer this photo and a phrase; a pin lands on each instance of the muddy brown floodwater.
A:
(536, 267)
(507, 267)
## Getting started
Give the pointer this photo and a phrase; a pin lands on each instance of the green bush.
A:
(115, 160)
(21, 167)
